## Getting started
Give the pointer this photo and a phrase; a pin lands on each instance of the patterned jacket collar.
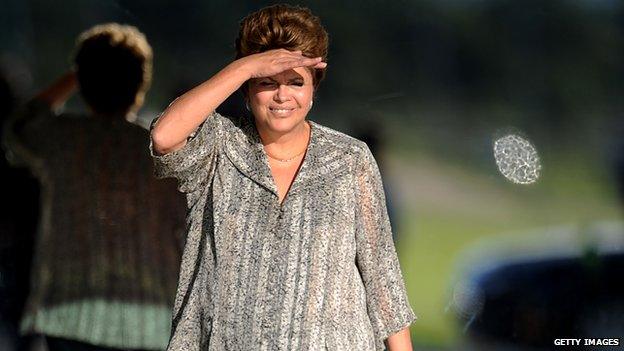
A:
(245, 150)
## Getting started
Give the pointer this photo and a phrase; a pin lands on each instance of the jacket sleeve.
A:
(31, 133)
(192, 320)
(191, 164)
(386, 297)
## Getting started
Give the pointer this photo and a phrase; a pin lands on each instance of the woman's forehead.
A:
(295, 73)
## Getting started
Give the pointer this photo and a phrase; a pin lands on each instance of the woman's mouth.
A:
(281, 111)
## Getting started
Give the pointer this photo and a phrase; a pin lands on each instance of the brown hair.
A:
(114, 67)
(284, 27)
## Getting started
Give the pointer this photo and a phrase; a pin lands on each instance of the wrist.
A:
(242, 69)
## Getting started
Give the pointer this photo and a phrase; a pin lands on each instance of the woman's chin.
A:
(284, 125)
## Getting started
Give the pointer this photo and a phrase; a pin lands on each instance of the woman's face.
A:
(281, 102)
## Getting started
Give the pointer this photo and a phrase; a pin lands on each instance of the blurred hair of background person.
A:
(107, 255)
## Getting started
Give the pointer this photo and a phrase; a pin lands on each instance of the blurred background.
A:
(491, 261)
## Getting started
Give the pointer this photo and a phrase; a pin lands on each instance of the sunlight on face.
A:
(281, 102)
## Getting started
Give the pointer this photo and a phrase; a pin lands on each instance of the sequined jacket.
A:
(318, 272)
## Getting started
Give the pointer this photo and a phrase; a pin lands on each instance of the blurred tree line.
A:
(553, 69)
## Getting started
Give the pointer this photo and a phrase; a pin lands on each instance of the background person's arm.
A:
(60, 91)
(29, 132)
(44, 103)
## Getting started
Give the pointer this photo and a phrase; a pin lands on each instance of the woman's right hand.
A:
(272, 62)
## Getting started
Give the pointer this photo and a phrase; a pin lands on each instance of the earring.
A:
(247, 106)
(311, 103)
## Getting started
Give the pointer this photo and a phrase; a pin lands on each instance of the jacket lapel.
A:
(244, 148)
(322, 160)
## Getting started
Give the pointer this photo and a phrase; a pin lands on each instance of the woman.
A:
(289, 244)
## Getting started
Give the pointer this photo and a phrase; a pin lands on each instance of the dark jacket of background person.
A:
(18, 222)
(109, 245)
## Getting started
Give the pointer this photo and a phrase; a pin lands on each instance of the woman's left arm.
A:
(399, 341)
(386, 297)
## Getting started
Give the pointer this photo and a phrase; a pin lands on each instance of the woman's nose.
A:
(282, 93)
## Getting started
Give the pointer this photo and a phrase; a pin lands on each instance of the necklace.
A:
(294, 157)
(286, 160)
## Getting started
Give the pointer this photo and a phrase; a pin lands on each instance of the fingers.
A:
(317, 63)
(306, 61)
(283, 60)
(283, 53)
(300, 62)
(298, 54)
(285, 66)
(310, 62)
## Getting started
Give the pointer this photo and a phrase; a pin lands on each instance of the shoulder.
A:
(341, 142)
(230, 121)
(65, 122)
(224, 125)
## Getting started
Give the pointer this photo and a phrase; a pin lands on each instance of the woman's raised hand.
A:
(187, 113)
(272, 62)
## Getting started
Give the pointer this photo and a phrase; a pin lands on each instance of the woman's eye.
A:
(298, 84)
(266, 84)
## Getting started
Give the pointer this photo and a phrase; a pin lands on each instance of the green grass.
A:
(428, 250)
(447, 208)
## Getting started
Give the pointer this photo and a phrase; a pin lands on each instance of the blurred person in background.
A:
(289, 244)
(109, 244)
